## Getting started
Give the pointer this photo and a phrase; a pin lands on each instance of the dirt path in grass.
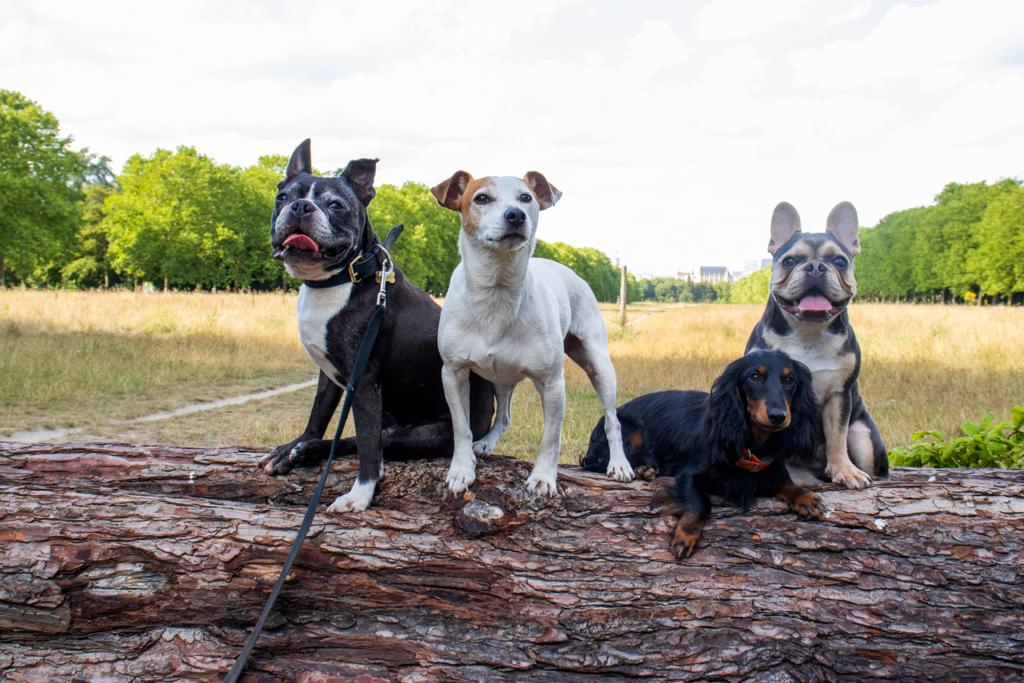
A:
(58, 433)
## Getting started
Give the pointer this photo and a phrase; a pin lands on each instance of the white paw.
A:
(356, 500)
(848, 475)
(483, 447)
(542, 484)
(461, 476)
(620, 471)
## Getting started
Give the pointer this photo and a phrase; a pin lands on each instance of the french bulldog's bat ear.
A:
(359, 174)
(842, 224)
(785, 224)
(300, 161)
(449, 193)
(547, 194)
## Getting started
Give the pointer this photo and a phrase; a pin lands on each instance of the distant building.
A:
(711, 274)
(707, 274)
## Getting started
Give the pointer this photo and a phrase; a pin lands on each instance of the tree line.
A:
(966, 247)
(178, 219)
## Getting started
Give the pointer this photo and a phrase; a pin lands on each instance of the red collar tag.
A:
(751, 463)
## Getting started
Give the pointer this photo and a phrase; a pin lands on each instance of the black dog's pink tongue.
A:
(301, 242)
(815, 303)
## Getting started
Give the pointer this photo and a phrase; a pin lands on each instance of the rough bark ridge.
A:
(133, 563)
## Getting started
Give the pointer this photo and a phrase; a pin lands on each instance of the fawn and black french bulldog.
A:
(812, 283)
(321, 231)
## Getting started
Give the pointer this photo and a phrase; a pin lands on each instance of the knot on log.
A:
(485, 512)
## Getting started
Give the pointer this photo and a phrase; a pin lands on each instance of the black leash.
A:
(362, 356)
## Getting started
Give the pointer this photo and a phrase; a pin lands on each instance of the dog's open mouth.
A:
(301, 242)
(299, 246)
(813, 304)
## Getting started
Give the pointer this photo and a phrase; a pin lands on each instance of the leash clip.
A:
(385, 276)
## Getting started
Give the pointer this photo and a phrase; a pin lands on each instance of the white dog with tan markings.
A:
(509, 317)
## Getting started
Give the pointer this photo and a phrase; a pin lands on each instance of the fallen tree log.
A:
(150, 563)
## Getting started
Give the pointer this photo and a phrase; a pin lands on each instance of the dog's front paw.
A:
(647, 472)
(356, 500)
(461, 476)
(483, 447)
(620, 471)
(542, 484)
(686, 536)
(276, 461)
(848, 475)
(810, 505)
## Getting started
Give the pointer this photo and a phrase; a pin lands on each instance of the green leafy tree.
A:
(428, 250)
(90, 266)
(752, 288)
(997, 265)
(41, 176)
(184, 220)
(260, 181)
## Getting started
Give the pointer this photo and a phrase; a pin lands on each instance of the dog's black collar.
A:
(362, 267)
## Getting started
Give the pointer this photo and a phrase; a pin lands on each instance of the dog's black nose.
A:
(302, 207)
(815, 268)
(515, 217)
(776, 417)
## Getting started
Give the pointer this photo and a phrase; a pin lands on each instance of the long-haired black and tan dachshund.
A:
(732, 442)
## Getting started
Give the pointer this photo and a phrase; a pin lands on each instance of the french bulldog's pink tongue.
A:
(815, 303)
(300, 241)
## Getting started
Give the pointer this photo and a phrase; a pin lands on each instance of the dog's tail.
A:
(597, 455)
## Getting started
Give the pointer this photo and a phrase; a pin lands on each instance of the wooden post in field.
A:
(623, 296)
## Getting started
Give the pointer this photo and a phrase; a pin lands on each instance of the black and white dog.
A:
(321, 230)
(812, 283)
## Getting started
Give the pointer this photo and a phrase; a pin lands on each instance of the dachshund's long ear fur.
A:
(804, 434)
(726, 428)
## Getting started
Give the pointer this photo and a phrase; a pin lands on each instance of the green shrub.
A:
(985, 444)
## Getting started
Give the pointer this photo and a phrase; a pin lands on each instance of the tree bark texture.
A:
(129, 563)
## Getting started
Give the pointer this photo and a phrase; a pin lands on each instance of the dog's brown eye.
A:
(334, 205)
(482, 199)
(787, 379)
(840, 262)
(283, 196)
(525, 198)
(755, 377)
(788, 261)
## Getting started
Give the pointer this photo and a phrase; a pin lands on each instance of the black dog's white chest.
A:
(316, 308)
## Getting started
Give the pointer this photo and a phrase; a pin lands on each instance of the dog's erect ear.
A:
(547, 194)
(804, 432)
(449, 193)
(300, 162)
(726, 423)
(842, 224)
(359, 174)
(785, 224)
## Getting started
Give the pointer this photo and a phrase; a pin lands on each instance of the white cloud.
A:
(721, 20)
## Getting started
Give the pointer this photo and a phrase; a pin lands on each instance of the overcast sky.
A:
(672, 128)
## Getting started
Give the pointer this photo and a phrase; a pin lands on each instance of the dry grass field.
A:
(92, 360)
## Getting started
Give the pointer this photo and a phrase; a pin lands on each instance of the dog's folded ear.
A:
(359, 173)
(842, 224)
(546, 193)
(725, 421)
(449, 193)
(299, 163)
(785, 224)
